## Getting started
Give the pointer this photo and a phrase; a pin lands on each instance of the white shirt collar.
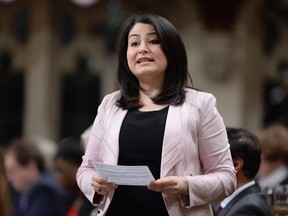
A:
(236, 192)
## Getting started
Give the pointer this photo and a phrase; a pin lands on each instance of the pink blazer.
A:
(195, 145)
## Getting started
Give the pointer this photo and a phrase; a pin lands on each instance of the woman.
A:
(37, 191)
(155, 120)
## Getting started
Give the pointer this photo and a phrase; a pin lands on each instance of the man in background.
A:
(39, 193)
(247, 198)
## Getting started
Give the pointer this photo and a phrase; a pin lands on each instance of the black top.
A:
(140, 143)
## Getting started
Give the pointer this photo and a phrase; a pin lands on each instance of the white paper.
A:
(125, 175)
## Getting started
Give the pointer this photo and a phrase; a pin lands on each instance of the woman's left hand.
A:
(171, 185)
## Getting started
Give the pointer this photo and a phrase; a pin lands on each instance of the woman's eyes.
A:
(154, 41)
(135, 44)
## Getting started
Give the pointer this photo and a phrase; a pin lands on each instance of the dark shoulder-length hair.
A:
(176, 74)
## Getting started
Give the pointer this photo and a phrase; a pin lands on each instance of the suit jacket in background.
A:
(43, 199)
(248, 202)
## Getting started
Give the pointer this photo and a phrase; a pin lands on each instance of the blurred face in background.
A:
(268, 165)
(65, 172)
(21, 177)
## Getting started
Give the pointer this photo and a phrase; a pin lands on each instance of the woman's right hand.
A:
(101, 185)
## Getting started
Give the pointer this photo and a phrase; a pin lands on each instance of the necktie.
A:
(218, 209)
(23, 203)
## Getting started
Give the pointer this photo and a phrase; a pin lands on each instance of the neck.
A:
(33, 178)
(149, 91)
(242, 180)
(151, 87)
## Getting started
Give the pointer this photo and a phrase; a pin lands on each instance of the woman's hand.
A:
(171, 185)
(101, 186)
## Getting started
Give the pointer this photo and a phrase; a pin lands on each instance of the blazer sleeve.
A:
(218, 179)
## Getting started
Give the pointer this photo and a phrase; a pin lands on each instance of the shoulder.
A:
(111, 98)
(47, 184)
(255, 199)
(108, 108)
(252, 195)
(198, 98)
(254, 203)
(244, 207)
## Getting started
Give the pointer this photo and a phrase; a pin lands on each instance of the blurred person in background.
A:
(5, 200)
(48, 149)
(39, 193)
(274, 165)
(66, 163)
(246, 155)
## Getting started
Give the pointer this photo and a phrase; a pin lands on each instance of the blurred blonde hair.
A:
(274, 142)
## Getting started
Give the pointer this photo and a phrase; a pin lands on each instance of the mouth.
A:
(146, 59)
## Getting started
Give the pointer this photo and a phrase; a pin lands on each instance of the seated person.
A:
(66, 163)
(39, 193)
(274, 165)
(247, 199)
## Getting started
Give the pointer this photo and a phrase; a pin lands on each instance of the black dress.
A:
(140, 143)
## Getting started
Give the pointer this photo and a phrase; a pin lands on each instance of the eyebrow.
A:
(138, 35)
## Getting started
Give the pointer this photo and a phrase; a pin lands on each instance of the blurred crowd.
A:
(38, 178)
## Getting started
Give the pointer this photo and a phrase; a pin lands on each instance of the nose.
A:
(143, 48)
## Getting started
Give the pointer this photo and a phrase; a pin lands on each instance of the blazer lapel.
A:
(110, 151)
(173, 149)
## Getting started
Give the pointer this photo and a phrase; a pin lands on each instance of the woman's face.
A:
(145, 56)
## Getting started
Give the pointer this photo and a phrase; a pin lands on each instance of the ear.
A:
(238, 163)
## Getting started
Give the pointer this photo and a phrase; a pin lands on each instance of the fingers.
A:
(168, 189)
(172, 185)
(99, 179)
(100, 191)
(105, 188)
(101, 186)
